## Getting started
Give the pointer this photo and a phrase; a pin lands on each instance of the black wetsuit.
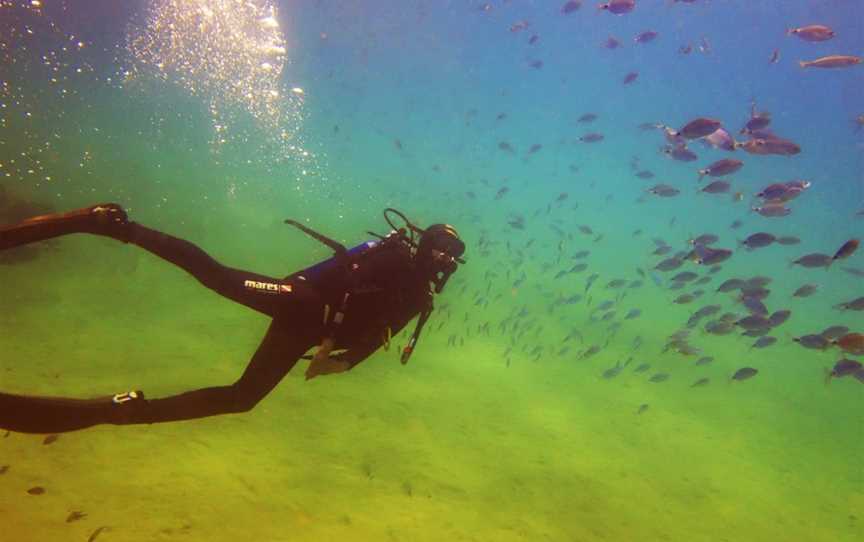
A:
(385, 291)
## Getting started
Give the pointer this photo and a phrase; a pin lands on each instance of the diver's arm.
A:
(341, 362)
(324, 363)
(353, 356)
(348, 359)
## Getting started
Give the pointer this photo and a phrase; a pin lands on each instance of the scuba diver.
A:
(349, 306)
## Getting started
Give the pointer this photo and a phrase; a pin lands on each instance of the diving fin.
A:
(33, 414)
(108, 219)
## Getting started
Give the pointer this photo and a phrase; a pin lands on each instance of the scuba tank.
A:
(335, 264)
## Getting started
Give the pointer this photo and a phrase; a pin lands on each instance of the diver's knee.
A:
(243, 402)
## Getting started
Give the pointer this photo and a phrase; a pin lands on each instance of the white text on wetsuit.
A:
(267, 286)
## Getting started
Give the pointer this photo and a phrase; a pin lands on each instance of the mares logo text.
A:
(268, 287)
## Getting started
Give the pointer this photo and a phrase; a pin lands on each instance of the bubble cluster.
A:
(230, 53)
(41, 71)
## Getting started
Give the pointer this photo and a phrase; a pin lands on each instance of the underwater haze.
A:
(655, 335)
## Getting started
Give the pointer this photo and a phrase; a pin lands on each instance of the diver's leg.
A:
(279, 351)
(255, 291)
(277, 354)
(258, 292)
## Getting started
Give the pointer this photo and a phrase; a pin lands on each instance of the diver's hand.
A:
(325, 365)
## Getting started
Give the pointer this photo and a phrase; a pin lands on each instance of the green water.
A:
(453, 446)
